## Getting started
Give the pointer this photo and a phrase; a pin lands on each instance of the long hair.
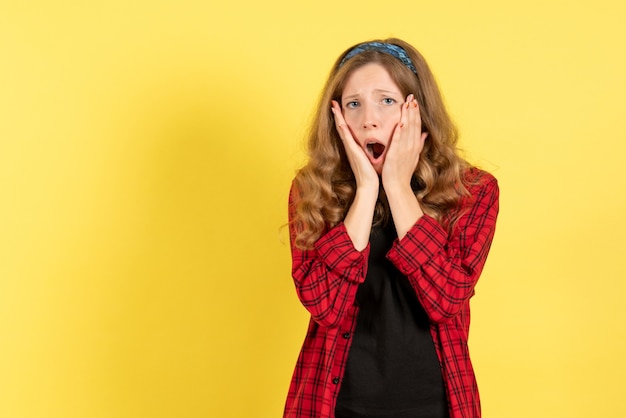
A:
(325, 187)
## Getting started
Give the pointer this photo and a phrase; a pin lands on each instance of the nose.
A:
(370, 116)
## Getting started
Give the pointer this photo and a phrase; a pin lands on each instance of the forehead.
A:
(369, 77)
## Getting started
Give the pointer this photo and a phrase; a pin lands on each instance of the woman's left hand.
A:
(406, 145)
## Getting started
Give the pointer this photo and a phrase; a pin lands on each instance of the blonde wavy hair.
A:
(324, 188)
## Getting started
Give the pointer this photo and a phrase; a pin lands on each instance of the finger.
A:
(340, 123)
(418, 123)
(413, 110)
(402, 123)
(408, 138)
(349, 143)
(405, 117)
(415, 121)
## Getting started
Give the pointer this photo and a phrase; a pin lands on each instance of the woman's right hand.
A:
(364, 172)
(358, 220)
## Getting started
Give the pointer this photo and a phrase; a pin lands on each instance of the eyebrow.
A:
(389, 92)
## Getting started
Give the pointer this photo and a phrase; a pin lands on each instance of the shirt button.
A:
(336, 380)
(346, 335)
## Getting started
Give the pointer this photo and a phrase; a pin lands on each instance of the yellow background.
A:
(146, 151)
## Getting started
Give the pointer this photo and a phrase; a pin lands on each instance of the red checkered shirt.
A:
(442, 269)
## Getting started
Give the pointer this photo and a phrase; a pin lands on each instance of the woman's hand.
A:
(358, 220)
(402, 157)
(364, 172)
(406, 145)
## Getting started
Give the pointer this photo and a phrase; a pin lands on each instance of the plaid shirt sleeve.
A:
(327, 277)
(444, 269)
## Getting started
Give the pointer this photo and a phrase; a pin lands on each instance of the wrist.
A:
(394, 186)
(367, 192)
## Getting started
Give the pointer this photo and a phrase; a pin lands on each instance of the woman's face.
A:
(371, 104)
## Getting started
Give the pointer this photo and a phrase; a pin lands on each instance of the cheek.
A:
(351, 120)
(393, 116)
(391, 113)
(391, 120)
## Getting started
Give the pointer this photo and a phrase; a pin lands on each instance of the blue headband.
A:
(393, 50)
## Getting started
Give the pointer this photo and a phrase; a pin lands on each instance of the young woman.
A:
(390, 229)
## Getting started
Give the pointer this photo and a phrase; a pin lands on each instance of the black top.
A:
(392, 369)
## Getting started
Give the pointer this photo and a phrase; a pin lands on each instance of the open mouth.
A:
(376, 149)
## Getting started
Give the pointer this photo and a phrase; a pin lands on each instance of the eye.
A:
(388, 101)
(351, 105)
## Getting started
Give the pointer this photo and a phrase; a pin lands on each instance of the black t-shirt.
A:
(392, 369)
